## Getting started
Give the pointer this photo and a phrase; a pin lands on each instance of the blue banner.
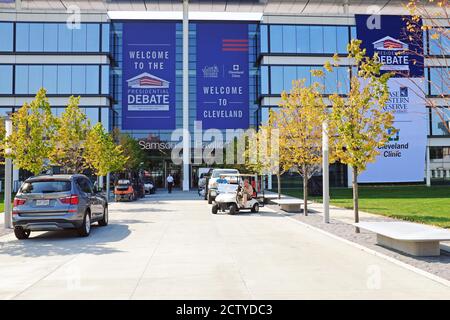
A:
(148, 78)
(222, 75)
(387, 36)
(402, 159)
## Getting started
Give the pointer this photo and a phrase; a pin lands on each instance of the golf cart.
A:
(230, 195)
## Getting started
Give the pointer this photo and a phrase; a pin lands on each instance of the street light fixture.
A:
(325, 173)
(8, 173)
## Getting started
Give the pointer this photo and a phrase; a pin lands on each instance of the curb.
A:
(373, 252)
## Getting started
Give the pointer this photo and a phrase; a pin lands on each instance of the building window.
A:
(439, 84)
(303, 39)
(281, 78)
(264, 80)
(6, 36)
(6, 79)
(438, 119)
(50, 37)
(439, 153)
(441, 44)
(105, 80)
(263, 38)
(276, 39)
(57, 79)
(105, 37)
(58, 37)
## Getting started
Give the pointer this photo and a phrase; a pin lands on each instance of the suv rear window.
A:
(46, 186)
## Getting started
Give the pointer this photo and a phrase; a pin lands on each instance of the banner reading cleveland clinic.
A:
(402, 159)
(148, 79)
(222, 75)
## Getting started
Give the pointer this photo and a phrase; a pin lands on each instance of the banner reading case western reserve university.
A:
(403, 158)
(148, 78)
(222, 75)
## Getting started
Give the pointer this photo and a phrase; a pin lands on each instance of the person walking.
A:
(170, 183)
(247, 192)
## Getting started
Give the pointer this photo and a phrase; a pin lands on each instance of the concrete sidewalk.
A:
(347, 216)
(172, 247)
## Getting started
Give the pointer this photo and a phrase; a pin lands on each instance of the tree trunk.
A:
(355, 196)
(305, 192)
(279, 185)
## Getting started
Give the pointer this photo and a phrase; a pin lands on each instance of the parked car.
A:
(58, 202)
(214, 175)
(124, 190)
(149, 187)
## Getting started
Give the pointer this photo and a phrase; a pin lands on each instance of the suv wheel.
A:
(104, 221)
(85, 228)
(21, 234)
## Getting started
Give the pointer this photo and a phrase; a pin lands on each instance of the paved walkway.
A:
(172, 247)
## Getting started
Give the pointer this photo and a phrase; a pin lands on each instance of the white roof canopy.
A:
(326, 7)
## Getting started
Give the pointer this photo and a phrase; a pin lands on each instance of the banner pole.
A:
(186, 136)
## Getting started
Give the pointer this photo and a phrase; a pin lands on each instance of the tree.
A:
(132, 149)
(262, 151)
(69, 140)
(102, 154)
(299, 120)
(430, 18)
(32, 139)
(359, 120)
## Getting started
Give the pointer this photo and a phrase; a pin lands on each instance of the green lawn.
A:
(422, 204)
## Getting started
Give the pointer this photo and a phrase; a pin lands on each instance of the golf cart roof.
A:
(237, 175)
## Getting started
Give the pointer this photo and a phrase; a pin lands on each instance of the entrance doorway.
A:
(175, 171)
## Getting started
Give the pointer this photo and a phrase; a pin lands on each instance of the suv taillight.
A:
(19, 202)
(72, 199)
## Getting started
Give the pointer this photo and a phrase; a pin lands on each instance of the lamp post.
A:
(325, 173)
(186, 137)
(8, 173)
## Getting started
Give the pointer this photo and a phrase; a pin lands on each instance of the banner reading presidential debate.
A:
(402, 159)
(222, 75)
(148, 78)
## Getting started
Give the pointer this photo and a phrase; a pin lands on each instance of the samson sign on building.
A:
(402, 159)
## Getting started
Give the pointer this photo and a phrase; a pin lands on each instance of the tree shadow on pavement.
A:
(61, 243)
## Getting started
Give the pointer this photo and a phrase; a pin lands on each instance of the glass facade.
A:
(268, 78)
(61, 37)
(60, 80)
(304, 39)
(276, 79)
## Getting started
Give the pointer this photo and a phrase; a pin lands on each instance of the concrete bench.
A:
(411, 238)
(289, 205)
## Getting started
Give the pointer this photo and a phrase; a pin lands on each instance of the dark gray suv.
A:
(58, 202)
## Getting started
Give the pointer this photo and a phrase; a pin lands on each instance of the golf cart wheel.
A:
(255, 208)
(214, 209)
(233, 209)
